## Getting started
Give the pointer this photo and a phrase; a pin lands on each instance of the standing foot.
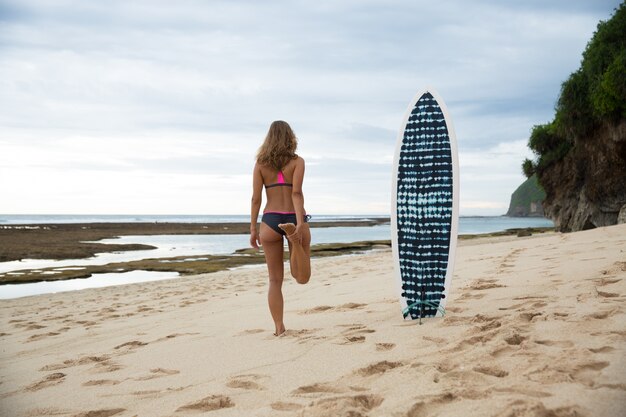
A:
(279, 331)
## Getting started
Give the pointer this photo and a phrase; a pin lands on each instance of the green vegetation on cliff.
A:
(527, 200)
(592, 96)
(580, 156)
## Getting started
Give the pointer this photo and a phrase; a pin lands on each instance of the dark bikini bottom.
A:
(273, 219)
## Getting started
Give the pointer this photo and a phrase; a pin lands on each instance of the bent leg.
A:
(272, 243)
(299, 253)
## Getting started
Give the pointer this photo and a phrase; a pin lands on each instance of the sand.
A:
(536, 326)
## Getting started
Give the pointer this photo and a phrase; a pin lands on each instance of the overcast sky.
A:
(158, 107)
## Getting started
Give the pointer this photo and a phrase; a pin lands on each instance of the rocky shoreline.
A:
(46, 241)
(183, 265)
(77, 240)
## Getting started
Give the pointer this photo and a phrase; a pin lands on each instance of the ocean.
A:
(165, 218)
(467, 224)
(190, 245)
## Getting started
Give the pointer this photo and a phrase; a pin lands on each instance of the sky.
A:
(159, 107)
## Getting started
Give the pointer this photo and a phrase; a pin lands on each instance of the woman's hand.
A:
(296, 236)
(255, 239)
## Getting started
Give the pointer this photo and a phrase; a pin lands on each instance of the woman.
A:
(281, 171)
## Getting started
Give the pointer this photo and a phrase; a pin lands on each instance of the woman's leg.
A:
(299, 253)
(272, 243)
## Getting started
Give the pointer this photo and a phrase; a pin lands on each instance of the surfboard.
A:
(424, 207)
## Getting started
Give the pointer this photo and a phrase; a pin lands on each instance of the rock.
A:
(621, 217)
(587, 188)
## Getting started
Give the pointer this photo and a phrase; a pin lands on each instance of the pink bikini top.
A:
(280, 181)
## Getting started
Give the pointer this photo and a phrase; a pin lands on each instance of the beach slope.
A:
(536, 326)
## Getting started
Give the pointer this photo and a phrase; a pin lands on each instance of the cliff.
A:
(527, 199)
(581, 154)
(587, 189)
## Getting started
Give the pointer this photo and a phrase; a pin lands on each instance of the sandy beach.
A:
(536, 326)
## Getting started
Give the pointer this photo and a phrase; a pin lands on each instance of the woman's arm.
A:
(257, 199)
(296, 192)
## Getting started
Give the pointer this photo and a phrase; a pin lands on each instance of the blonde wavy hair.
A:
(279, 146)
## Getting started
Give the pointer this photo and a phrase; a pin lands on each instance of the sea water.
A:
(470, 224)
(194, 245)
(152, 218)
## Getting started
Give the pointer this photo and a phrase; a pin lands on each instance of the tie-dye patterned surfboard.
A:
(425, 207)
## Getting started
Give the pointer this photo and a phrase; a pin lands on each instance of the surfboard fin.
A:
(421, 304)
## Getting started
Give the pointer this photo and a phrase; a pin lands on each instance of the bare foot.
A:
(279, 331)
(288, 228)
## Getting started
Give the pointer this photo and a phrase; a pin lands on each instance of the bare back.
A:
(279, 197)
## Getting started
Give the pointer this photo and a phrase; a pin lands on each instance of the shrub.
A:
(609, 96)
(528, 168)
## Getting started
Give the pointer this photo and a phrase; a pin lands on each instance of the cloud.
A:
(165, 91)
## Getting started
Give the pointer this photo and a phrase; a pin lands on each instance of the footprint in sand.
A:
(107, 412)
(536, 408)
(549, 374)
(354, 334)
(603, 349)
(477, 336)
(173, 335)
(606, 281)
(250, 331)
(349, 306)
(469, 296)
(98, 382)
(607, 294)
(435, 402)
(357, 405)
(131, 345)
(302, 335)
(438, 340)
(106, 367)
(600, 315)
(555, 343)
(284, 406)
(342, 307)
(378, 368)
(210, 403)
(102, 364)
(529, 317)
(86, 323)
(74, 362)
(485, 323)
(383, 347)
(514, 339)
(246, 382)
(586, 373)
(465, 320)
(485, 284)
(318, 309)
(157, 373)
(349, 340)
(491, 370)
(50, 380)
(317, 389)
(41, 336)
(34, 327)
